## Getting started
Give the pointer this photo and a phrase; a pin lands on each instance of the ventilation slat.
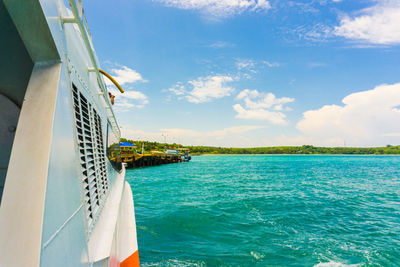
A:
(92, 156)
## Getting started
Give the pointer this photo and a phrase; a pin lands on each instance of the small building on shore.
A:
(127, 149)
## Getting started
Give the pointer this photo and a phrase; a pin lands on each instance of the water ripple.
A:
(269, 211)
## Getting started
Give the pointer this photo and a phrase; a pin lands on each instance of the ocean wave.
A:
(256, 255)
(280, 211)
(336, 264)
(175, 263)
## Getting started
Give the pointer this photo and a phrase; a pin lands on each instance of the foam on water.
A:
(174, 263)
(336, 264)
(269, 211)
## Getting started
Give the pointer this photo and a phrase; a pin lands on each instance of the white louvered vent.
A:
(92, 156)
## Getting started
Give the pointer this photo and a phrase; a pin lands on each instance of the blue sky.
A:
(242, 73)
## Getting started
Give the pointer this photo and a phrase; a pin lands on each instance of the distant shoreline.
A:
(295, 150)
(208, 154)
(276, 150)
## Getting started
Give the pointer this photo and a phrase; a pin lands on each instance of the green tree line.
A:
(306, 149)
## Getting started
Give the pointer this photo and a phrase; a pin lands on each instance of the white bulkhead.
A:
(64, 199)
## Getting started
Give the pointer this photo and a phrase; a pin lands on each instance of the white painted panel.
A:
(127, 238)
(100, 242)
(22, 208)
(9, 113)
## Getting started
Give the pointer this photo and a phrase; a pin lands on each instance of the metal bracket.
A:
(69, 20)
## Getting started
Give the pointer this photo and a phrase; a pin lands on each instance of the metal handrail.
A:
(77, 19)
(112, 80)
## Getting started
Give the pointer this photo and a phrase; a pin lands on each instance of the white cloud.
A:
(262, 100)
(123, 105)
(250, 64)
(204, 89)
(377, 25)
(307, 7)
(219, 8)
(234, 130)
(135, 95)
(124, 75)
(228, 137)
(261, 106)
(317, 32)
(271, 64)
(367, 118)
(248, 67)
(140, 99)
(245, 64)
(220, 44)
(178, 89)
(259, 114)
(392, 134)
(130, 98)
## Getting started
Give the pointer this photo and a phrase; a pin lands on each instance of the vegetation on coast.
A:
(306, 149)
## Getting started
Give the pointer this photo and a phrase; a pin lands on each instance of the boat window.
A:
(113, 149)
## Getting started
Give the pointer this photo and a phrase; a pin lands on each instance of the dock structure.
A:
(144, 160)
(129, 155)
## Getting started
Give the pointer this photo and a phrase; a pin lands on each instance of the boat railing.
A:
(78, 17)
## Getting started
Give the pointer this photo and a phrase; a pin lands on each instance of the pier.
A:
(144, 160)
(134, 159)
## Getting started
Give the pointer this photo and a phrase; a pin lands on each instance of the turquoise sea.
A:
(261, 210)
